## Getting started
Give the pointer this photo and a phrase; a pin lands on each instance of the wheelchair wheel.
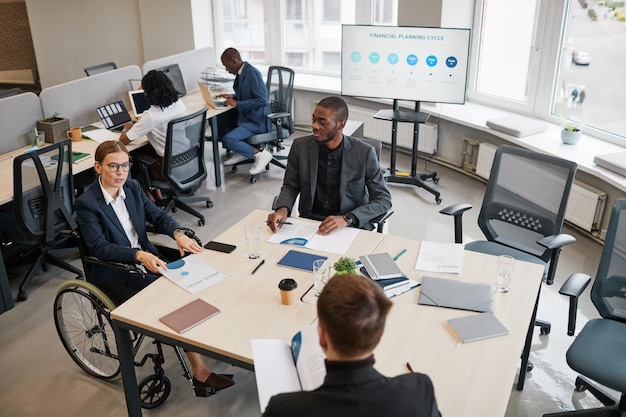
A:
(154, 390)
(82, 320)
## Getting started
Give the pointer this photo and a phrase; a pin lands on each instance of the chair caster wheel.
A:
(209, 204)
(436, 180)
(234, 169)
(580, 387)
(201, 222)
(21, 296)
(530, 367)
(544, 330)
(154, 390)
(252, 180)
(437, 200)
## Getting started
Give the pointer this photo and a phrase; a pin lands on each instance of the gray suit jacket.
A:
(363, 191)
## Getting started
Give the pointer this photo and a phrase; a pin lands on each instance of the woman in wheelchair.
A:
(112, 215)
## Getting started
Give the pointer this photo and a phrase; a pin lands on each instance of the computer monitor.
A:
(174, 74)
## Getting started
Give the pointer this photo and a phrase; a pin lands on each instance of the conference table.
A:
(473, 379)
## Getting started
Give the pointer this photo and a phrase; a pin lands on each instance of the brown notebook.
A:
(189, 315)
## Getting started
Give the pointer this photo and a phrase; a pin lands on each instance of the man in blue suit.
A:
(248, 117)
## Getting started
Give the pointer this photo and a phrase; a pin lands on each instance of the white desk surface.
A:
(470, 379)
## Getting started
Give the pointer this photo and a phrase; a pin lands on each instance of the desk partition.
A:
(18, 115)
(77, 100)
(192, 64)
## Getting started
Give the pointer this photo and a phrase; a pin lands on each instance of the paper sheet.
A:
(440, 257)
(192, 274)
(301, 233)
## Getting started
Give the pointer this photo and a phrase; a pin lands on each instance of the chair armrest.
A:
(380, 220)
(556, 241)
(144, 159)
(278, 115)
(457, 210)
(116, 265)
(573, 288)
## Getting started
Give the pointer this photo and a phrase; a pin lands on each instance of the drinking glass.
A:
(504, 273)
(321, 275)
(253, 240)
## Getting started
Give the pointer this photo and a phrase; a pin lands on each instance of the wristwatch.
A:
(350, 219)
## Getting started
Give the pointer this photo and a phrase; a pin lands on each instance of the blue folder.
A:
(300, 260)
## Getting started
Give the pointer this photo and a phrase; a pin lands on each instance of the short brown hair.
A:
(352, 310)
(107, 147)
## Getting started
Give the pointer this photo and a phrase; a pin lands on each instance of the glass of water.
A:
(505, 273)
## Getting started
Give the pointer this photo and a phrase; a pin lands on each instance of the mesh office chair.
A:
(97, 69)
(43, 192)
(598, 352)
(280, 88)
(522, 215)
(184, 167)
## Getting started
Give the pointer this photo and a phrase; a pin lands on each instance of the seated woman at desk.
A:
(164, 106)
(112, 215)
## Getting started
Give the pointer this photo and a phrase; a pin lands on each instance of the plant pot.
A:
(54, 130)
(569, 137)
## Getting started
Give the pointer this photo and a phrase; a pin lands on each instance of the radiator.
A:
(586, 203)
(381, 130)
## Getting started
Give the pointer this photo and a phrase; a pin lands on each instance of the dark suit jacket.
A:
(361, 392)
(102, 232)
(252, 100)
(363, 191)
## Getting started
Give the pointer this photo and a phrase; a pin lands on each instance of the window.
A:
(332, 61)
(243, 27)
(332, 11)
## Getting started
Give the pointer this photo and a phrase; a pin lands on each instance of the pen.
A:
(268, 222)
(258, 266)
(395, 258)
(408, 366)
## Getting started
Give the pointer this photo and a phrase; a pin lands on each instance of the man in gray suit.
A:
(337, 177)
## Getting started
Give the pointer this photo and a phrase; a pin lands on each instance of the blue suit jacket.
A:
(102, 232)
(252, 100)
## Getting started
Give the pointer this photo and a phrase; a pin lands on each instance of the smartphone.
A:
(220, 247)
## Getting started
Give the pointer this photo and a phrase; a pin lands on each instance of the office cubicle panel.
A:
(77, 100)
(18, 115)
(192, 65)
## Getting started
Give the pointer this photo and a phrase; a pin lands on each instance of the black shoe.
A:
(213, 383)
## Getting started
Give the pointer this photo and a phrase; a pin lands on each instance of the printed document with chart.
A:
(192, 273)
(304, 233)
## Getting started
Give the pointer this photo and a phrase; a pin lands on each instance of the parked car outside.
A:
(581, 58)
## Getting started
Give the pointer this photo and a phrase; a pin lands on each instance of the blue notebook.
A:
(300, 260)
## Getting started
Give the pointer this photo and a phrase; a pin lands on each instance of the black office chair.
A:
(44, 211)
(378, 148)
(83, 322)
(522, 215)
(280, 88)
(184, 167)
(97, 69)
(599, 351)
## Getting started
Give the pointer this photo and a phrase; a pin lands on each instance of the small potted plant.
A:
(345, 265)
(54, 127)
(570, 134)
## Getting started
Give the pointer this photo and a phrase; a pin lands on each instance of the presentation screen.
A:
(406, 63)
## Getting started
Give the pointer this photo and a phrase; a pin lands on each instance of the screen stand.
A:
(413, 178)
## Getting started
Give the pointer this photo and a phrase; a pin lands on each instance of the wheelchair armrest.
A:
(573, 288)
(457, 210)
(556, 241)
(116, 265)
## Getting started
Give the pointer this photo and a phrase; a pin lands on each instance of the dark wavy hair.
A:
(159, 89)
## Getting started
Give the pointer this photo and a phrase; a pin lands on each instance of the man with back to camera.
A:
(337, 177)
(351, 318)
(249, 114)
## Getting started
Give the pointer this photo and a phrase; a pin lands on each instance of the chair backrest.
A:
(608, 293)
(184, 167)
(280, 88)
(43, 191)
(97, 69)
(526, 199)
(10, 92)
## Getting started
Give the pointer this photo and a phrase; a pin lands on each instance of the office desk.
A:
(473, 379)
(250, 304)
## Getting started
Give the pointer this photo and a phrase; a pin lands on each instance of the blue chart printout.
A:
(192, 274)
(406, 63)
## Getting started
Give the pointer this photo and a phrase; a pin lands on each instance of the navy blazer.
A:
(252, 100)
(102, 231)
(362, 187)
(360, 392)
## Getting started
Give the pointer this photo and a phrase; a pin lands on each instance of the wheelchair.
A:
(83, 323)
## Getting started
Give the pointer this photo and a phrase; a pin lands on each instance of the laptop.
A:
(114, 116)
(213, 103)
(173, 73)
(138, 102)
(451, 293)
